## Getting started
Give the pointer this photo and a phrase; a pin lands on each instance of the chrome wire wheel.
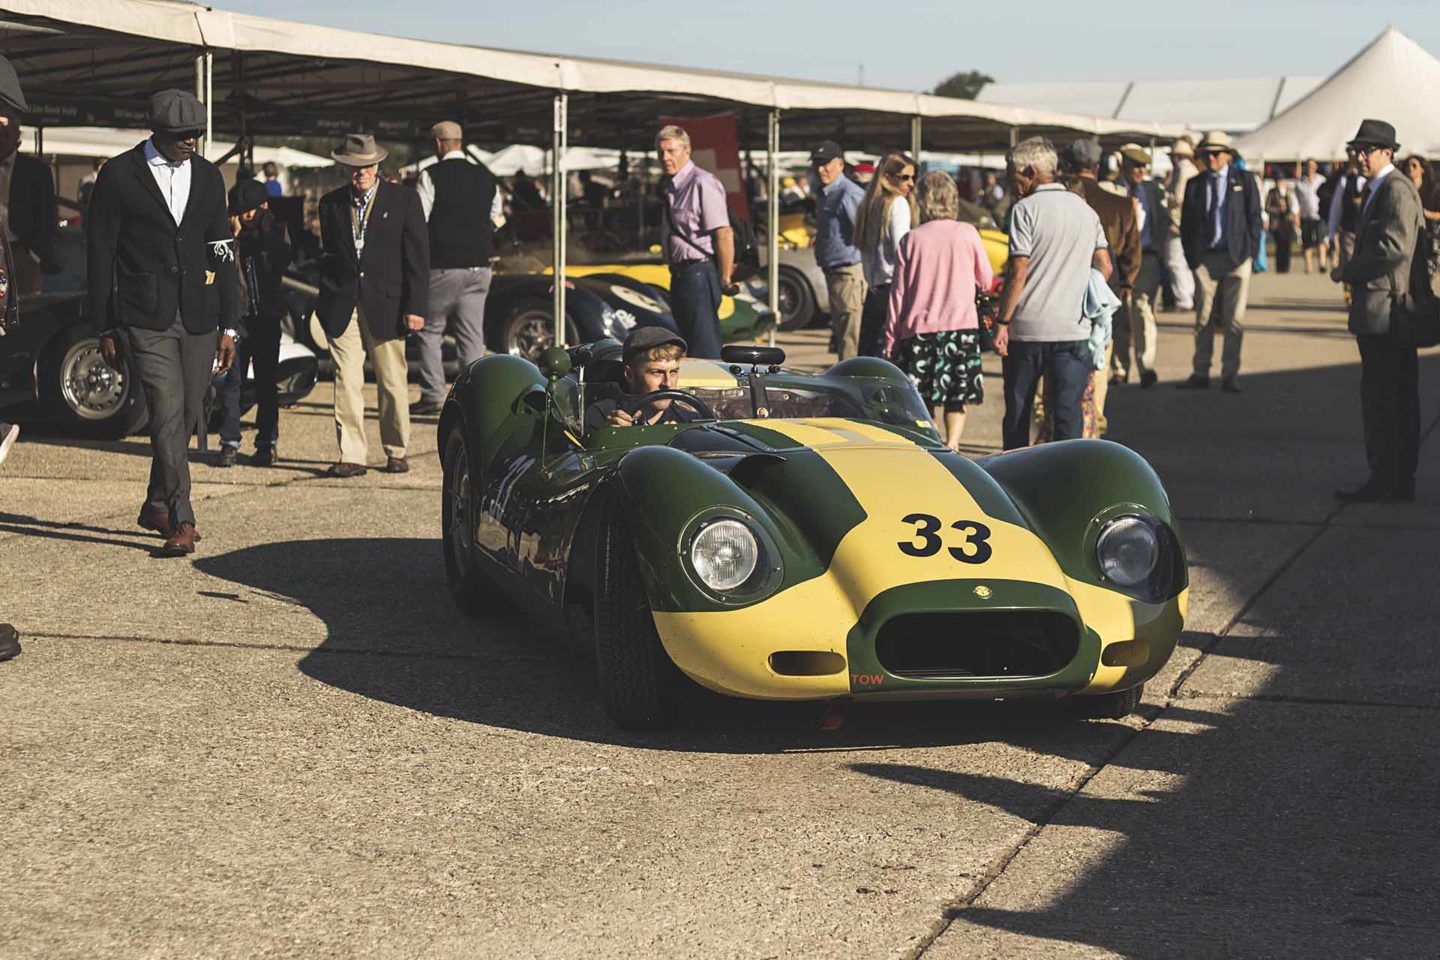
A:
(530, 334)
(91, 388)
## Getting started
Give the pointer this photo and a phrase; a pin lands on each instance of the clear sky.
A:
(905, 45)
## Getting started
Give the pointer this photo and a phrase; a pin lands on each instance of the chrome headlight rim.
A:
(766, 575)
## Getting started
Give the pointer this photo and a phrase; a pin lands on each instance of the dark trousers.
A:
(1066, 367)
(261, 345)
(1390, 410)
(872, 321)
(1284, 241)
(174, 367)
(695, 304)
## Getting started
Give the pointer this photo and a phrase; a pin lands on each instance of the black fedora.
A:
(1375, 133)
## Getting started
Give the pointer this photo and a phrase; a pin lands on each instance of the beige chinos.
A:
(846, 289)
(391, 380)
(1222, 289)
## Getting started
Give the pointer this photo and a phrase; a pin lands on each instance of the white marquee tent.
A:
(1393, 79)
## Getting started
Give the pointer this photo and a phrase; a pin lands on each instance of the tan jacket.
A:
(1379, 271)
(1122, 231)
(1180, 175)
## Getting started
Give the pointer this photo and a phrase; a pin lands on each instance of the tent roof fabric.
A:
(92, 67)
(1235, 105)
(1393, 79)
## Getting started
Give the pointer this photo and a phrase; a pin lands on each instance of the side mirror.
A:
(748, 353)
(554, 363)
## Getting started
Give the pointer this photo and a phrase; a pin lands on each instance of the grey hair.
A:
(672, 132)
(1036, 154)
(938, 200)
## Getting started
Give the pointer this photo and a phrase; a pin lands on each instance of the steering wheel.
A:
(690, 400)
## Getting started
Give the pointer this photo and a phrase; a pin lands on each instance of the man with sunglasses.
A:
(837, 251)
(1220, 225)
(1379, 274)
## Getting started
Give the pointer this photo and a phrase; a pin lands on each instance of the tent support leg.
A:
(915, 140)
(772, 219)
(558, 199)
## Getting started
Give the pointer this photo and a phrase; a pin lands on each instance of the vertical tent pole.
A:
(39, 140)
(558, 198)
(772, 218)
(915, 134)
(209, 97)
(200, 91)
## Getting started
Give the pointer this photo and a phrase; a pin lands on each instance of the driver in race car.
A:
(652, 358)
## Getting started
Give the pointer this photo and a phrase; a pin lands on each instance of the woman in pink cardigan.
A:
(932, 327)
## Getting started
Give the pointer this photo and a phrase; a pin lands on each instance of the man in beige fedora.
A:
(1220, 230)
(1182, 170)
(374, 289)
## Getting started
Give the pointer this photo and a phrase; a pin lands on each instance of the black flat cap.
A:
(642, 339)
(11, 95)
(1375, 133)
(175, 111)
(825, 151)
(247, 195)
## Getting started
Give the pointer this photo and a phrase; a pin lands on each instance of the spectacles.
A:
(1363, 148)
(906, 178)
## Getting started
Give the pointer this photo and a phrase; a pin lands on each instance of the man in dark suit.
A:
(12, 104)
(1220, 231)
(1379, 273)
(162, 286)
(28, 191)
(374, 289)
(1135, 330)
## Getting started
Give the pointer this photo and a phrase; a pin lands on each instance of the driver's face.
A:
(654, 375)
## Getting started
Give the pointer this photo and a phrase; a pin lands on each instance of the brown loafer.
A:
(343, 469)
(156, 519)
(181, 542)
(397, 465)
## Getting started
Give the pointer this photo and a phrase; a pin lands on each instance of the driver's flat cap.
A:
(642, 339)
(175, 111)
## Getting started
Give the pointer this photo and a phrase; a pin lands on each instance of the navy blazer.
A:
(1242, 217)
(390, 279)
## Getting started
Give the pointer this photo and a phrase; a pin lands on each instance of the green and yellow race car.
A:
(803, 537)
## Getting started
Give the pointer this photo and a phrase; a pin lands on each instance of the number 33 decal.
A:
(975, 548)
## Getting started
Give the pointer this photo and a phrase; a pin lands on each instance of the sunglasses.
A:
(906, 178)
(1362, 149)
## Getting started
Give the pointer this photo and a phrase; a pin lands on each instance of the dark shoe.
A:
(1373, 491)
(424, 408)
(1119, 379)
(8, 433)
(156, 519)
(397, 465)
(1148, 379)
(343, 469)
(1229, 385)
(9, 642)
(227, 456)
(1196, 382)
(181, 542)
(263, 457)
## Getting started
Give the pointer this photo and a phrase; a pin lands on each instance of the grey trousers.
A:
(174, 367)
(459, 294)
(1135, 325)
(1222, 289)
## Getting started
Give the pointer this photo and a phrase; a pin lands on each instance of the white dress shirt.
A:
(172, 178)
(426, 189)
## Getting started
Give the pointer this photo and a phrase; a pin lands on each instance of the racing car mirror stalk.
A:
(554, 363)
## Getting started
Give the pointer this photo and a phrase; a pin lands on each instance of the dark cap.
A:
(1083, 154)
(643, 339)
(175, 111)
(10, 93)
(247, 195)
(826, 151)
(1375, 133)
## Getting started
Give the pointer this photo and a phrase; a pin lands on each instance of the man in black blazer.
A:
(374, 290)
(1220, 231)
(163, 287)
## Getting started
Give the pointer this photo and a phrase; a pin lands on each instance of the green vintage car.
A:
(809, 537)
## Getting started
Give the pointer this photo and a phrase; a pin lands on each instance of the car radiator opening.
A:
(1001, 643)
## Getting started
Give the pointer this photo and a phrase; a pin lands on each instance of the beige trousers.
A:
(846, 288)
(1135, 324)
(1222, 289)
(388, 357)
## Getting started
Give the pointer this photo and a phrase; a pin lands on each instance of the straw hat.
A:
(359, 150)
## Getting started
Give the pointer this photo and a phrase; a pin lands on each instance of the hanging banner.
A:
(715, 146)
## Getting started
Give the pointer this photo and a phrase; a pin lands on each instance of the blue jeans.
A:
(695, 303)
(1066, 367)
(262, 345)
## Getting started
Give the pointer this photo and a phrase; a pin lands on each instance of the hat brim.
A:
(178, 131)
(360, 160)
(1373, 143)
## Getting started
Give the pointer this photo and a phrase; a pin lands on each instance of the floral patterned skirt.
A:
(944, 366)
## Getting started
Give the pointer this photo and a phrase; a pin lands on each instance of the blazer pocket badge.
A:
(209, 277)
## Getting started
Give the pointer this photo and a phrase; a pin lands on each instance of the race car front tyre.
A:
(638, 681)
(1107, 706)
(471, 590)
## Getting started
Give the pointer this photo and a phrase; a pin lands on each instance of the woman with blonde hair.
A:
(886, 215)
(932, 326)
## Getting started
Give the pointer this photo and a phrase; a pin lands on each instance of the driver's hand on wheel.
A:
(110, 350)
(620, 418)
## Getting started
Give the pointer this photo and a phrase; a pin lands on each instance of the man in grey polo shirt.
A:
(1055, 239)
(836, 252)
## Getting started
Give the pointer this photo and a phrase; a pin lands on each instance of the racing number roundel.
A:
(974, 546)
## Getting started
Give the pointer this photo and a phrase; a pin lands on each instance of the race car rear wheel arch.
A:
(84, 394)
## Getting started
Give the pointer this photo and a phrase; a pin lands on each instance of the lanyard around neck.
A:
(360, 217)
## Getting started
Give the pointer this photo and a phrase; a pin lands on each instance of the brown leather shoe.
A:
(397, 465)
(156, 519)
(343, 469)
(181, 542)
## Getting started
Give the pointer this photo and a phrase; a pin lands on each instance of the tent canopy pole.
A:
(916, 131)
(772, 218)
(558, 198)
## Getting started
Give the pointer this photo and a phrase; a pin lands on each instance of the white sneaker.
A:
(8, 433)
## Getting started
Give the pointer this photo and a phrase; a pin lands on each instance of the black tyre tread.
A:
(1108, 706)
(637, 678)
(805, 314)
(473, 592)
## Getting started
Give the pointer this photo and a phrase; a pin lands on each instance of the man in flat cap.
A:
(27, 190)
(462, 207)
(374, 290)
(12, 104)
(163, 287)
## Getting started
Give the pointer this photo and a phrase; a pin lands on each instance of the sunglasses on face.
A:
(906, 178)
(1360, 150)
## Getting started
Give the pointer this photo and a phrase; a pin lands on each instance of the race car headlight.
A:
(724, 554)
(1128, 551)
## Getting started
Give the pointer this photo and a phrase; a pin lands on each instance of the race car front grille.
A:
(1010, 643)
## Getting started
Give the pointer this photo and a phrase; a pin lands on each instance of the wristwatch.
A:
(231, 332)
